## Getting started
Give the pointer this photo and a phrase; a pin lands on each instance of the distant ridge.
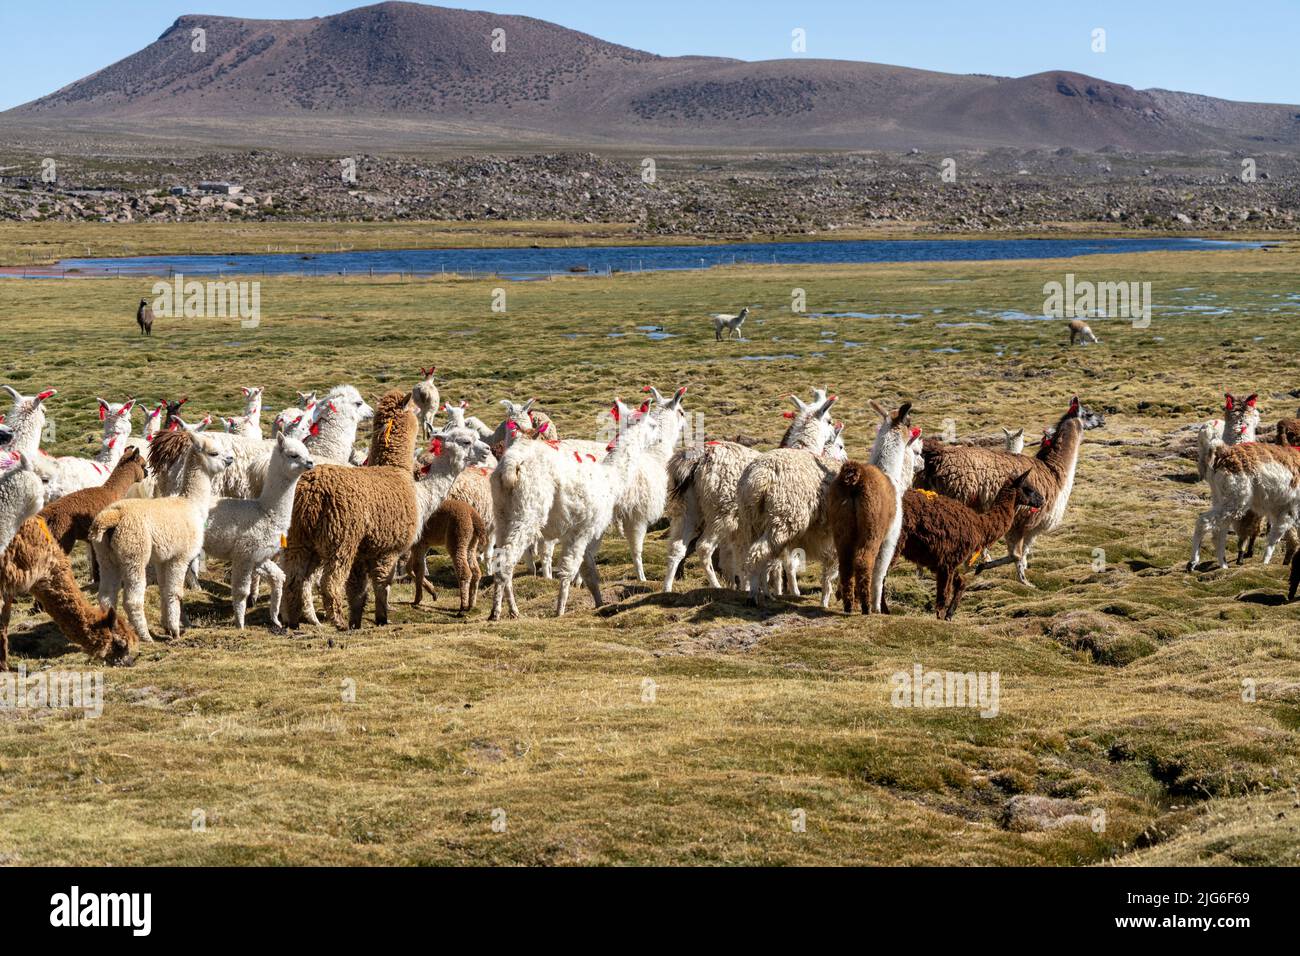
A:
(411, 73)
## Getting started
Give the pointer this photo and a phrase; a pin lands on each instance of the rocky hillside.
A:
(405, 73)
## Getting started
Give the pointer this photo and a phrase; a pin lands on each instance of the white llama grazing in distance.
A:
(731, 323)
(248, 533)
(1080, 331)
(541, 492)
(131, 535)
(1014, 441)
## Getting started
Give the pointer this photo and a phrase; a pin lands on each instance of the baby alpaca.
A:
(1014, 440)
(943, 535)
(249, 533)
(457, 527)
(167, 533)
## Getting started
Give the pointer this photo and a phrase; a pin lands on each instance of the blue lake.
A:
(531, 263)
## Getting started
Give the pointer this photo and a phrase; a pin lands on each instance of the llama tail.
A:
(681, 475)
(105, 522)
(852, 479)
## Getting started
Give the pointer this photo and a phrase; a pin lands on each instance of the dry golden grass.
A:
(1121, 680)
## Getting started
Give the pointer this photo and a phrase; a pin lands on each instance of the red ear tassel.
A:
(315, 428)
(614, 411)
(435, 446)
(542, 430)
(1250, 402)
(645, 407)
(1227, 401)
(916, 433)
(46, 394)
(787, 414)
(102, 412)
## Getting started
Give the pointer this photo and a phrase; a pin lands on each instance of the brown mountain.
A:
(408, 73)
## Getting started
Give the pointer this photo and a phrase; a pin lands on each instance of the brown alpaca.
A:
(457, 527)
(943, 535)
(863, 508)
(35, 564)
(70, 517)
(355, 524)
(975, 476)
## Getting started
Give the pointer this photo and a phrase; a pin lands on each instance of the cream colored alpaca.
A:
(166, 534)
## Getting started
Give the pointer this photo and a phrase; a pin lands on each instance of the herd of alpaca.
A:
(306, 512)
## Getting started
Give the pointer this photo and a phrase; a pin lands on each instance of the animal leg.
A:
(863, 572)
(1277, 529)
(171, 582)
(848, 578)
(958, 586)
(271, 570)
(4, 631)
(133, 587)
(241, 580)
(636, 541)
(1204, 520)
(419, 568)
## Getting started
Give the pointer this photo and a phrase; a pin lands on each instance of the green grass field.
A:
(1121, 674)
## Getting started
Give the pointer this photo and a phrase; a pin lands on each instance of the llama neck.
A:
(1064, 452)
(61, 598)
(806, 435)
(27, 434)
(109, 457)
(277, 492)
(196, 484)
(393, 445)
(334, 438)
(119, 481)
(432, 490)
(1001, 514)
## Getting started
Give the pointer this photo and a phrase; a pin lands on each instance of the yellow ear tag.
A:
(928, 493)
(45, 529)
(388, 430)
(284, 542)
(975, 558)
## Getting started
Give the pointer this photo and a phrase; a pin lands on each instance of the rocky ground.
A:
(766, 194)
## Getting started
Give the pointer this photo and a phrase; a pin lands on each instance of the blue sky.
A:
(1242, 50)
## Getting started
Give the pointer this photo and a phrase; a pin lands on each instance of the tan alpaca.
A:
(166, 534)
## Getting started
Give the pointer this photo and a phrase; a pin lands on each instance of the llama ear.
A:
(1006, 431)
(903, 412)
(103, 409)
(914, 435)
(824, 408)
(1074, 407)
(1250, 402)
(799, 403)
(529, 404)
(1018, 433)
(244, 390)
(13, 392)
(677, 399)
(48, 393)
(1227, 401)
(1021, 477)
(878, 408)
